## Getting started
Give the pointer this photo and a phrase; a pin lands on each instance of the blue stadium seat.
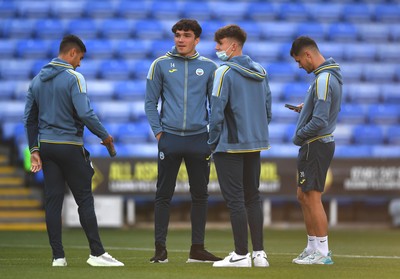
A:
(357, 12)
(209, 28)
(33, 9)
(325, 12)
(205, 48)
(395, 32)
(8, 129)
(353, 151)
(100, 90)
(115, 70)
(391, 93)
(253, 30)
(373, 32)
(293, 12)
(229, 11)
(49, 29)
(137, 111)
(387, 13)
(384, 114)
(38, 65)
(198, 10)
(336, 50)
(281, 71)
(364, 93)
(12, 110)
(385, 151)
(90, 68)
(99, 49)
(34, 49)
(380, 72)
(7, 49)
(133, 49)
(368, 134)
(276, 90)
(352, 72)
(286, 150)
(342, 32)
(393, 135)
(133, 9)
(134, 132)
(357, 52)
(7, 10)
(149, 30)
(165, 9)
(160, 48)
(277, 132)
(84, 28)
(130, 90)
(67, 9)
(343, 134)
(21, 89)
(116, 29)
(141, 150)
(294, 93)
(268, 52)
(261, 11)
(16, 69)
(314, 30)
(18, 28)
(7, 90)
(140, 68)
(113, 111)
(281, 114)
(352, 114)
(388, 53)
(99, 9)
(278, 31)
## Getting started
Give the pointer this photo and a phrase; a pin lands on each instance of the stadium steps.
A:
(20, 206)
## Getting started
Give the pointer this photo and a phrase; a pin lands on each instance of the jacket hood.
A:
(247, 67)
(332, 67)
(52, 69)
(173, 52)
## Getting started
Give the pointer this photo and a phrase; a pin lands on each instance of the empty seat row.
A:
(161, 29)
(240, 10)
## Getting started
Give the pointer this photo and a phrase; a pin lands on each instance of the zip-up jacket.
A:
(240, 107)
(184, 85)
(319, 114)
(57, 107)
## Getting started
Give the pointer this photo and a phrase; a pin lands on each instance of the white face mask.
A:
(222, 54)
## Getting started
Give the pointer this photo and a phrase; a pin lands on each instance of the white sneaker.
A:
(234, 260)
(316, 258)
(260, 259)
(103, 260)
(301, 256)
(59, 262)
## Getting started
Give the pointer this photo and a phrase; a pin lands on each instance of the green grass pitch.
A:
(357, 253)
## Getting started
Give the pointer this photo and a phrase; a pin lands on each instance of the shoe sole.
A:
(198, 261)
(164, 261)
(93, 263)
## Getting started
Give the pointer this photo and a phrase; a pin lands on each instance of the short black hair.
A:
(302, 42)
(71, 41)
(231, 31)
(186, 24)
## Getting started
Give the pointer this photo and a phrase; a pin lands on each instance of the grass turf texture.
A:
(357, 253)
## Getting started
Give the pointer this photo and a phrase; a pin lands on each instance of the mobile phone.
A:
(291, 107)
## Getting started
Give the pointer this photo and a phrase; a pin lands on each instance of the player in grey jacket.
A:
(240, 114)
(183, 80)
(57, 109)
(313, 134)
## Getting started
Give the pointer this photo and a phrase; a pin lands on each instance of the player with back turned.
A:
(56, 111)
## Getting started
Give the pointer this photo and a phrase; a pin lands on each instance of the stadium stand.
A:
(123, 37)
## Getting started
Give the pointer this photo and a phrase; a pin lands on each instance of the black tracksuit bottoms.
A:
(194, 150)
(239, 179)
(68, 164)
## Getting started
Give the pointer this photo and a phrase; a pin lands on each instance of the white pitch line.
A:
(180, 251)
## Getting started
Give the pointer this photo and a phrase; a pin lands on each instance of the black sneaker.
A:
(161, 255)
(200, 255)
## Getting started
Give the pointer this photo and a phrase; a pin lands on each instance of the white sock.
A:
(322, 245)
(311, 243)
